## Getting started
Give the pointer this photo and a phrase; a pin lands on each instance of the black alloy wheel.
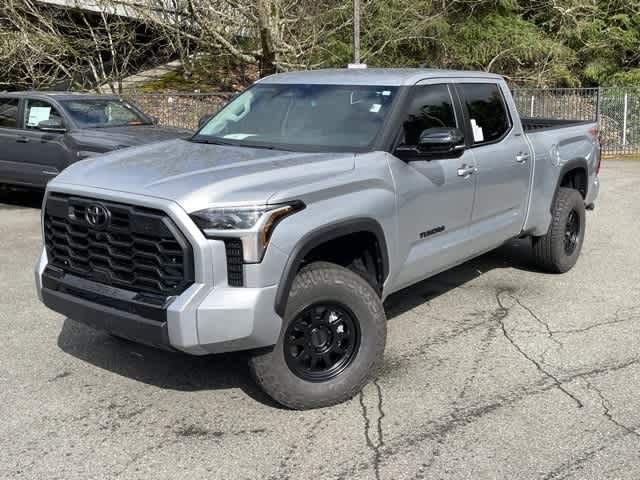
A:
(572, 232)
(321, 341)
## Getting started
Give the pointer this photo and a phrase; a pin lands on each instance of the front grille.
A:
(138, 249)
(233, 248)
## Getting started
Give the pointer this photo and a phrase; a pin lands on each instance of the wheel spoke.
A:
(321, 341)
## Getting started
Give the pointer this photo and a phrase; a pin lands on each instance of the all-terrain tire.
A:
(322, 283)
(549, 251)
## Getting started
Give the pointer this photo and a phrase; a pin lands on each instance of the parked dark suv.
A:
(43, 133)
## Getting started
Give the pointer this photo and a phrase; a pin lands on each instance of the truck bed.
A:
(538, 124)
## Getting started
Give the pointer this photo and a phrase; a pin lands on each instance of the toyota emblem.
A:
(97, 216)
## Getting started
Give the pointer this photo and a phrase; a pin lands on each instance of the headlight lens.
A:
(241, 218)
(253, 225)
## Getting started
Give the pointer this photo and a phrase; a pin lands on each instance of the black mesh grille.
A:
(139, 249)
(233, 247)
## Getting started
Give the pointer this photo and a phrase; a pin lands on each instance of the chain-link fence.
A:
(618, 110)
(180, 109)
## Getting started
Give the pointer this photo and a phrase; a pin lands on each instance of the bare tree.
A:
(46, 46)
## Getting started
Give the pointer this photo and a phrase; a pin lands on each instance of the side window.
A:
(9, 112)
(431, 106)
(488, 113)
(36, 111)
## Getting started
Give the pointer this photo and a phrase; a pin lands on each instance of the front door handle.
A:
(465, 170)
(22, 140)
(522, 157)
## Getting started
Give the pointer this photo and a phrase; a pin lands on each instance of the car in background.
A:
(42, 133)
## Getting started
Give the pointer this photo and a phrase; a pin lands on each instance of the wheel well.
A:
(577, 179)
(359, 251)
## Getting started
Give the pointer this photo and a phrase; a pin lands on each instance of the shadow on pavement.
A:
(513, 254)
(18, 197)
(164, 369)
(177, 371)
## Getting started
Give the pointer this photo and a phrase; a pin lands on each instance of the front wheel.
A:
(559, 249)
(333, 337)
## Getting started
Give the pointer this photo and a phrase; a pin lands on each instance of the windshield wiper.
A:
(210, 142)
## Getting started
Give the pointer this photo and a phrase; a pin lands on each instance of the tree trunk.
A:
(267, 25)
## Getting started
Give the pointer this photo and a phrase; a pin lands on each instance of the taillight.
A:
(593, 132)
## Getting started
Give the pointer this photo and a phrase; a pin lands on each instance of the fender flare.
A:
(319, 236)
(572, 164)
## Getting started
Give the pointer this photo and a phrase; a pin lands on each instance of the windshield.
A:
(316, 116)
(99, 113)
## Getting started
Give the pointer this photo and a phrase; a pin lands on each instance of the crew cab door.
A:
(42, 155)
(503, 159)
(435, 194)
(9, 148)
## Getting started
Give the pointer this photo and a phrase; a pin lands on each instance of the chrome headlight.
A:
(253, 225)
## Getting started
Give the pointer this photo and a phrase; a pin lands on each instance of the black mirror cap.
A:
(434, 143)
(155, 120)
(441, 140)
(204, 119)
(51, 125)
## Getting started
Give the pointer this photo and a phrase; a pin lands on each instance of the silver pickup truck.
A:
(285, 221)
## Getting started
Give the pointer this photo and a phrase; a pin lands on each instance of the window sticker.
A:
(239, 136)
(478, 135)
(37, 115)
(375, 108)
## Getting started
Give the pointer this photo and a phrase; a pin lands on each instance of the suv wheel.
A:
(558, 250)
(332, 339)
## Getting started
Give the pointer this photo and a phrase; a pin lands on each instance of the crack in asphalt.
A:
(436, 430)
(538, 319)
(566, 468)
(375, 447)
(499, 315)
(615, 320)
(606, 405)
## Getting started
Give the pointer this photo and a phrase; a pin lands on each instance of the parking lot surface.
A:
(492, 371)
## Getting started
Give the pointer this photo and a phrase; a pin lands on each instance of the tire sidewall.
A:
(572, 201)
(330, 284)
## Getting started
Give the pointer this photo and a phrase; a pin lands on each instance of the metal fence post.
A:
(598, 100)
(624, 120)
(533, 99)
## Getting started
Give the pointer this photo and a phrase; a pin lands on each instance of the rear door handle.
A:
(465, 171)
(522, 157)
(22, 140)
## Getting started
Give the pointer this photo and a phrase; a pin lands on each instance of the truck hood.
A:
(197, 175)
(128, 136)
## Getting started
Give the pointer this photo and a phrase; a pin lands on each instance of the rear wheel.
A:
(332, 339)
(559, 249)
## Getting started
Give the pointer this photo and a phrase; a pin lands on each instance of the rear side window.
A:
(9, 112)
(487, 111)
(431, 106)
(36, 111)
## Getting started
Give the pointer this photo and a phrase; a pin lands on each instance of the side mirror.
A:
(51, 125)
(154, 120)
(204, 119)
(440, 142)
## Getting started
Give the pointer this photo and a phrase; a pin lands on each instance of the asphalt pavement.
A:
(493, 371)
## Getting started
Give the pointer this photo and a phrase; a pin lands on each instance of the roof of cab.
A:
(372, 76)
(56, 95)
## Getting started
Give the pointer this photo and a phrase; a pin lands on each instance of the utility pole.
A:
(356, 31)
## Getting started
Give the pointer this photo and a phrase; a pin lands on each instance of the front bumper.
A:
(208, 317)
(202, 320)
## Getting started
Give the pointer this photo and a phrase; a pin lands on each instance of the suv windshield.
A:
(312, 116)
(98, 113)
